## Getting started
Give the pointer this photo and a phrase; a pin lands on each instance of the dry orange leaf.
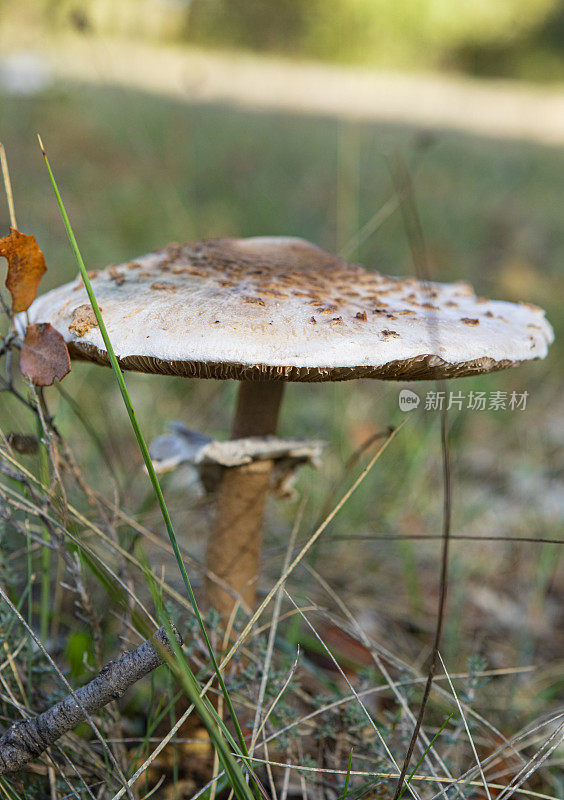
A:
(26, 265)
(44, 355)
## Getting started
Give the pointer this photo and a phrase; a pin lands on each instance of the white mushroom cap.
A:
(281, 308)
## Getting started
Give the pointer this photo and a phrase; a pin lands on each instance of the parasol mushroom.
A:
(265, 311)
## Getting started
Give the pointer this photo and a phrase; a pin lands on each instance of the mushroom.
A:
(265, 311)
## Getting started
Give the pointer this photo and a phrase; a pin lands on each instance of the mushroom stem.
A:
(235, 542)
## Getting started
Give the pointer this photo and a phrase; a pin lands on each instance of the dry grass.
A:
(361, 601)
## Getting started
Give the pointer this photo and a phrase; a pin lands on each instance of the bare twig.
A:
(29, 738)
(412, 222)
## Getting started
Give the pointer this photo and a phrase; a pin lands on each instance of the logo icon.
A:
(408, 400)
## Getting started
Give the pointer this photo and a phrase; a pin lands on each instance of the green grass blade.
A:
(232, 767)
(431, 743)
(142, 445)
(347, 779)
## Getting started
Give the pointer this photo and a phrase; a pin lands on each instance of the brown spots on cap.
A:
(83, 320)
(302, 288)
(384, 312)
(163, 286)
(171, 255)
(116, 275)
(173, 250)
(133, 265)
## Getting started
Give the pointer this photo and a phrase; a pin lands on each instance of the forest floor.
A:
(152, 145)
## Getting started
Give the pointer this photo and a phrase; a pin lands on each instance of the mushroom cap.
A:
(283, 309)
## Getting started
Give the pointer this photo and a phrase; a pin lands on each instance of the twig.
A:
(29, 738)
(412, 222)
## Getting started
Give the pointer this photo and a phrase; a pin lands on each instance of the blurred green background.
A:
(511, 38)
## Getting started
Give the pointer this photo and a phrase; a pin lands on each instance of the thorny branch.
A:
(27, 739)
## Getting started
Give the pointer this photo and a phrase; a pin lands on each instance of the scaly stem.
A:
(235, 543)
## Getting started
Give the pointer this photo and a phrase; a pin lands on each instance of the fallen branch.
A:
(27, 739)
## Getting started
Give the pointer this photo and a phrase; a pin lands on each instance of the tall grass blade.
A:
(347, 779)
(230, 764)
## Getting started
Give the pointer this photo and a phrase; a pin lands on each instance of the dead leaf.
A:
(26, 266)
(44, 355)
